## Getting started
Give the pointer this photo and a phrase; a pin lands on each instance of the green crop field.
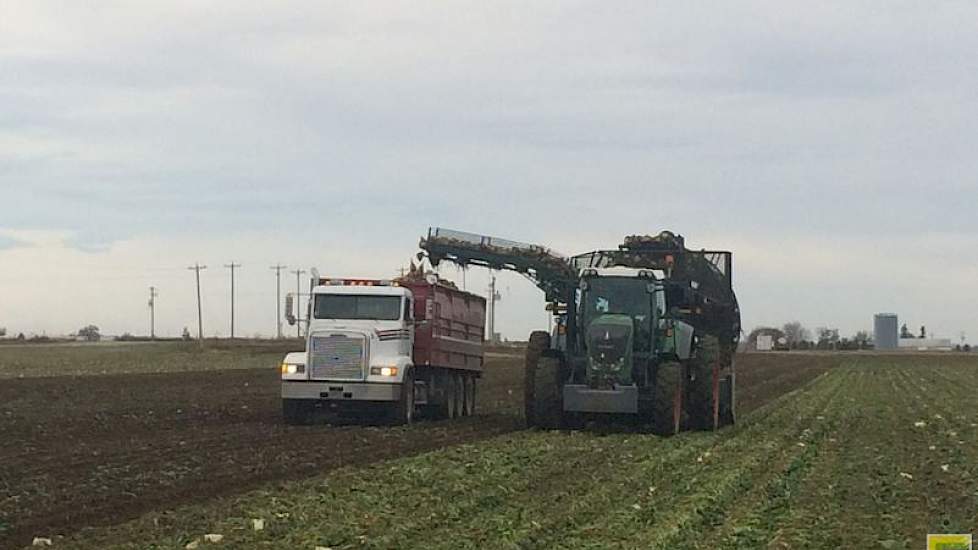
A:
(874, 453)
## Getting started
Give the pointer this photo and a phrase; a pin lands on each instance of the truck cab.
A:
(359, 346)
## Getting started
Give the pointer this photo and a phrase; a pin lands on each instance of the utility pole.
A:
(278, 298)
(298, 300)
(494, 297)
(152, 312)
(200, 314)
(232, 266)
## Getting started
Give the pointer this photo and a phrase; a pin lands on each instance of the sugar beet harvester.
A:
(648, 329)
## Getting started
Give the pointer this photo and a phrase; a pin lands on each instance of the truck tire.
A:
(459, 395)
(449, 409)
(541, 400)
(296, 412)
(468, 383)
(703, 402)
(404, 406)
(667, 406)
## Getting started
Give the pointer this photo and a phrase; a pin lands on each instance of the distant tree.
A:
(186, 333)
(795, 333)
(966, 347)
(828, 338)
(862, 340)
(905, 332)
(923, 331)
(3, 332)
(20, 336)
(90, 333)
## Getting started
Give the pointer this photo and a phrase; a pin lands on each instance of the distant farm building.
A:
(885, 331)
(926, 344)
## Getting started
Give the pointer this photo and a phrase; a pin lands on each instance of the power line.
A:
(232, 266)
(152, 312)
(278, 298)
(200, 313)
(298, 297)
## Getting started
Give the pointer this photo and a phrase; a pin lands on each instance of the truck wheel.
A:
(538, 343)
(667, 407)
(459, 395)
(404, 406)
(449, 408)
(468, 382)
(296, 412)
(703, 400)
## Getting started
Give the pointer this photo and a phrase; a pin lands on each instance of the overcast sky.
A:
(831, 146)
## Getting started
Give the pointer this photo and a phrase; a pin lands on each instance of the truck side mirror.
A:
(289, 315)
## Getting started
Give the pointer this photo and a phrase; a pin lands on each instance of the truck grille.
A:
(337, 357)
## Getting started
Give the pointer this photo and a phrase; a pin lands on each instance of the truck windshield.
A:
(351, 306)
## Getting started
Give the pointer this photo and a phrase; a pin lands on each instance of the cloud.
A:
(817, 142)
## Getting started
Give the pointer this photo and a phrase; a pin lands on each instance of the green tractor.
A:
(646, 330)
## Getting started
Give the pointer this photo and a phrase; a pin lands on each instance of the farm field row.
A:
(43, 360)
(875, 453)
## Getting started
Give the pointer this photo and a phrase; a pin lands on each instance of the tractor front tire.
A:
(542, 404)
(667, 407)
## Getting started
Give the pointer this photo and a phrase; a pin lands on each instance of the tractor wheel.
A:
(538, 343)
(703, 400)
(667, 408)
(296, 412)
(728, 394)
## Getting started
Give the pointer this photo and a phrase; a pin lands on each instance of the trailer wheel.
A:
(449, 408)
(703, 404)
(667, 407)
(404, 406)
(468, 383)
(296, 412)
(459, 380)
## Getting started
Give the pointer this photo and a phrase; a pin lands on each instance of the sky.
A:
(829, 145)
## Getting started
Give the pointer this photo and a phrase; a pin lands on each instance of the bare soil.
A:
(79, 451)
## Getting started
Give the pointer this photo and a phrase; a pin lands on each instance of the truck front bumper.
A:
(340, 391)
(580, 398)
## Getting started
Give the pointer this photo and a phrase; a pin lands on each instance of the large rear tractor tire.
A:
(296, 412)
(541, 384)
(703, 404)
(728, 391)
(667, 408)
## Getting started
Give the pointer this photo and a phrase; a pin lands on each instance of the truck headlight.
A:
(289, 368)
(384, 371)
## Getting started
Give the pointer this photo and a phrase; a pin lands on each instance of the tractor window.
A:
(620, 295)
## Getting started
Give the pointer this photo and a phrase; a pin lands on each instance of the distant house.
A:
(926, 344)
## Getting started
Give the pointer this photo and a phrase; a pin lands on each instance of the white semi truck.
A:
(389, 347)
